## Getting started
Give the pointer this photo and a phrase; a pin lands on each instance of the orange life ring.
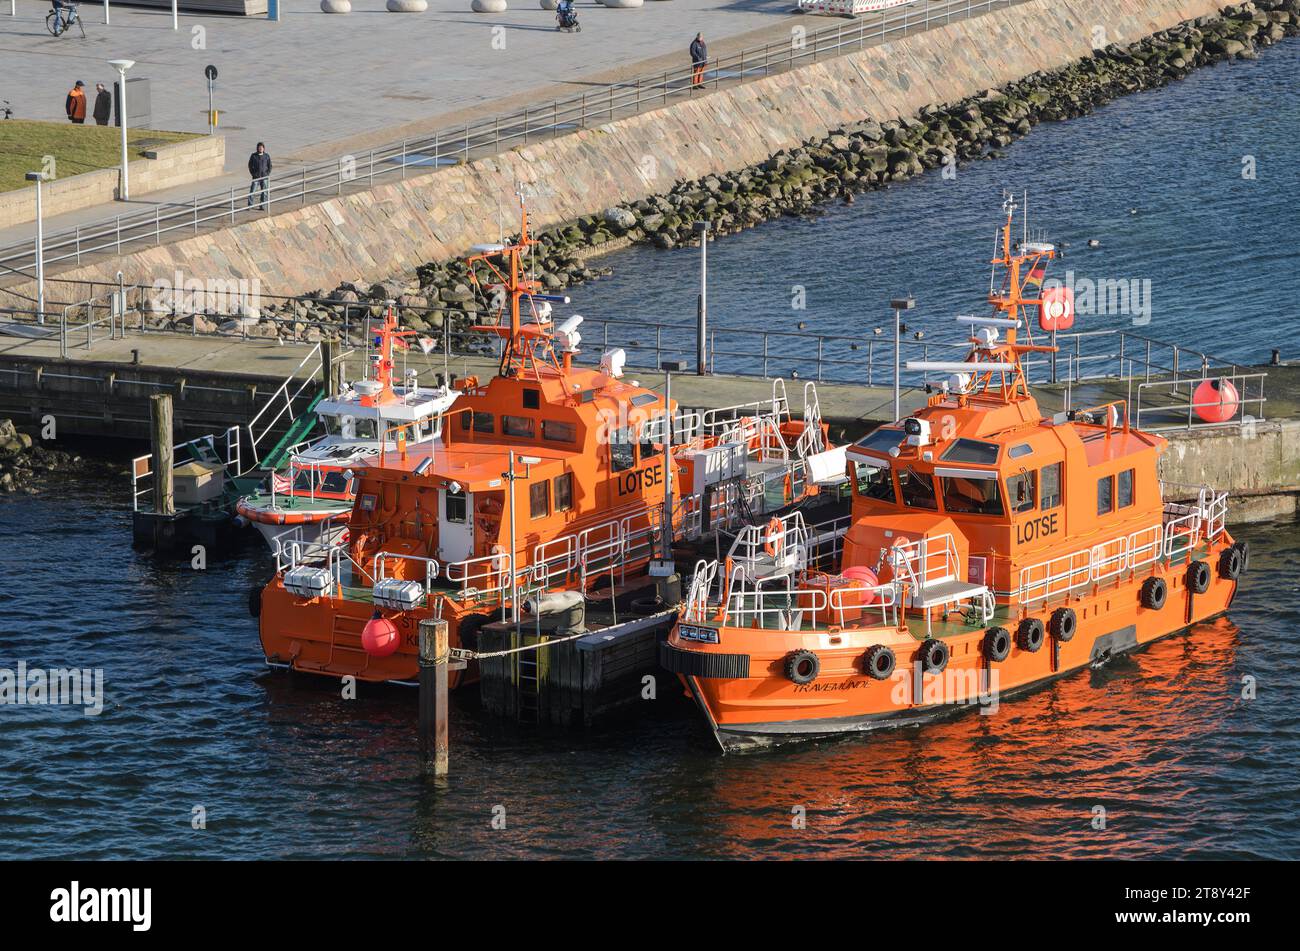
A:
(775, 537)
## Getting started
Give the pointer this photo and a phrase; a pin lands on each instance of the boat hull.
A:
(767, 709)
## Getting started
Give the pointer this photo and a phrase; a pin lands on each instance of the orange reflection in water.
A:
(1025, 780)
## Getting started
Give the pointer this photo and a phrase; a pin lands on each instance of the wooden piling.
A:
(327, 368)
(160, 415)
(435, 654)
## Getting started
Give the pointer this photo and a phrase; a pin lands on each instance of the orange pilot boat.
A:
(547, 478)
(989, 549)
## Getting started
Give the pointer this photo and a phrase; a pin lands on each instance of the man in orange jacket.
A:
(76, 104)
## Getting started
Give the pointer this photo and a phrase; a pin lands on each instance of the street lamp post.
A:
(122, 65)
(899, 304)
(669, 367)
(39, 177)
(702, 311)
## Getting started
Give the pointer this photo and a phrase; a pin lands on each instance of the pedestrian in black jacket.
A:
(103, 104)
(699, 59)
(259, 167)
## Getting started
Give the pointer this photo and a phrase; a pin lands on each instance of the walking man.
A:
(76, 104)
(699, 59)
(259, 167)
(103, 104)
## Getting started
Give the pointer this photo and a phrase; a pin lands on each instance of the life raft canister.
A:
(1030, 635)
(1063, 623)
(802, 666)
(774, 538)
(878, 661)
(933, 655)
(997, 643)
(1154, 594)
(1198, 577)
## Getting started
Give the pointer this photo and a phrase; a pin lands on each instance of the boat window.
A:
(455, 507)
(1050, 496)
(873, 482)
(520, 426)
(482, 422)
(1124, 488)
(882, 440)
(532, 399)
(330, 424)
(622, 454)
(334, 482)
(557, 431)
(539, 499)
(1105, 495)
(971, 450)
(564, 492)
(363, 428)
(1021, 490)
(1024, 449)
(972, 496)
(917, 489)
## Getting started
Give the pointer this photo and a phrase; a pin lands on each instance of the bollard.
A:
(435, 652)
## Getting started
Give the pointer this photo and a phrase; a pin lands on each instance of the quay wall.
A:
(393, 227)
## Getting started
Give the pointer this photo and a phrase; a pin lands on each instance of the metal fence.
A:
(457, 145)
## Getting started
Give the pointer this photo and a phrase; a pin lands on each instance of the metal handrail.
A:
(456, 145)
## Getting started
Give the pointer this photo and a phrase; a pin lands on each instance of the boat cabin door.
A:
(455, 526)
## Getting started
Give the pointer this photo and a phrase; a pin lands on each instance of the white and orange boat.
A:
(315, 490)
(549, 477)
(990, 548)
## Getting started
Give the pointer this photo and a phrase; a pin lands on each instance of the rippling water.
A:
(1183, 766)
(1219, 250)
(1163, 741)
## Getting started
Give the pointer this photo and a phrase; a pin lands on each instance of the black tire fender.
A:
(802, 666)
(1030, 635)
(878, 662)
(933, 655)
(255, 601)
(1230, 562)
(1198, 577)
(1063, 623)
(997, 643)
(1154, 594)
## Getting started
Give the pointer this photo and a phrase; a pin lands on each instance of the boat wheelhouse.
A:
(368, 417)
(990, 548)
(548, 477)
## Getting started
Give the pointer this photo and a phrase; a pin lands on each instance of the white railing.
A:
(1183, 527)
(282, 396)
(928, 560)
(142, 475)
(884, 599)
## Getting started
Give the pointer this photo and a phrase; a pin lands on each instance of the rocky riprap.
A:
(856, 158)
(24, 464)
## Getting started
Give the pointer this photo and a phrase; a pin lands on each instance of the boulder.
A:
(547, 4)
(488, 6)
(624, 4)
(407, 6)
(620, 218)
(335, 6)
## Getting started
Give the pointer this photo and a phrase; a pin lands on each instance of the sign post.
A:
(210, 71)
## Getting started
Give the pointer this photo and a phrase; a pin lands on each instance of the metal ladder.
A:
(528, 684)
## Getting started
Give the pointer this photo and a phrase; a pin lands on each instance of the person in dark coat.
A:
(259, 167)
(699, 59)
(103, 104)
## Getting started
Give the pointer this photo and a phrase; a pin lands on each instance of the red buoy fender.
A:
(380, 637)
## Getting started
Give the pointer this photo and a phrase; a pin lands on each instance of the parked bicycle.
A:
(59, 20)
